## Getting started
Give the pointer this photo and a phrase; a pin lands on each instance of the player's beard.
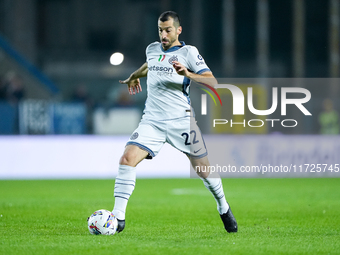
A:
(168, 45)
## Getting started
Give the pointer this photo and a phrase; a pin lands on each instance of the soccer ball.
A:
(102, 222)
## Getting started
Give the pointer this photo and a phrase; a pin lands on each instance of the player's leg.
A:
(132, 155)
(215, 186)
(126, 180)
(185, 135)
(212, 183)
(145, 142)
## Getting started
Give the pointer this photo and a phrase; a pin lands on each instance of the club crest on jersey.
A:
(173, 58)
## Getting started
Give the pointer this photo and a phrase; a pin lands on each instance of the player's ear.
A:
(179, 30)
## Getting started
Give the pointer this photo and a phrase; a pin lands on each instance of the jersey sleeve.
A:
(149, 48)
(196, 62)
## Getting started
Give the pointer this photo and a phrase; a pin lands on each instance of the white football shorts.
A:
(182, 133)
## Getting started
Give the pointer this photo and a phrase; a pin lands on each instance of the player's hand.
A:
(133, 85)
(180, 69)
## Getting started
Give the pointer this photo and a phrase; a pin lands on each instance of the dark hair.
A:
(170, 14)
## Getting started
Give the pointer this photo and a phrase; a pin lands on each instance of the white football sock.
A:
(214, 185)
(124, 185)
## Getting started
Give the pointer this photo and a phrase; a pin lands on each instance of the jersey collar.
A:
(174, 48)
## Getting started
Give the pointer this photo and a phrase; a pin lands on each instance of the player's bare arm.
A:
(133, 81)
(206, 77)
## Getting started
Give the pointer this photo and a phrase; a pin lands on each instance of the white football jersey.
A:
(167, 91)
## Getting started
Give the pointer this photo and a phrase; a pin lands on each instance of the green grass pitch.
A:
(172, 216)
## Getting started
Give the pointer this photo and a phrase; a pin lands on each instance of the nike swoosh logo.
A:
(150, 59)
(197, 151)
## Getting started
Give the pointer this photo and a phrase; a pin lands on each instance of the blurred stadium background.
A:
(56, 77)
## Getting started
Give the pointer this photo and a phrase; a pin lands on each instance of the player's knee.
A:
(203, 175)
(202, 170)
(127, 159)
(201, 166)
